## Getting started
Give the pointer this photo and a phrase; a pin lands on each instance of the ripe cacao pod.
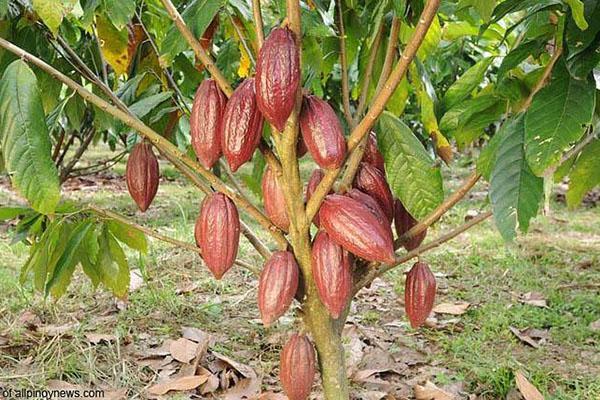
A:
(419, 293)
(372, 181)
(403, 222)
(277, 286)
(332, 272)
(217, 233)
(297, 367)
(142, 175)
(315, 178)
(353, 226)
(205, 122)
(370, 202)
(278, 76)
(322, 133)
(274, 200)
(372, 154)
(242, 126)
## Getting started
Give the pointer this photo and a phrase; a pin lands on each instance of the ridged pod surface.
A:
(205, 122)
(277, 76)
(315, 178)
(372, 154)
(277, 286)
(217, 233)
(403, 222)
(353, 226)
(419, 293)
(297, 367)
(370, 202)
(274, 200)
(242, 126)
(322, 133)
(372, 181)
(332, 272)
(142, 175)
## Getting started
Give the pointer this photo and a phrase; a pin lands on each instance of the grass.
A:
(559, 258)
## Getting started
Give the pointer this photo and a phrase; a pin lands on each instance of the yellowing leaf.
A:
(113, 43)
(50, 11)
(244, 68)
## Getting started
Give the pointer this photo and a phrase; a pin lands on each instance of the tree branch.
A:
(379, 102)
(344, 68)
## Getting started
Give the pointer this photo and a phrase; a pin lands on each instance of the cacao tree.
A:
(380, 94)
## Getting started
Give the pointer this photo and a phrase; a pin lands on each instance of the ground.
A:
(533, 307)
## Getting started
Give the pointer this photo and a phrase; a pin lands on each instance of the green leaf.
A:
(7, 213)
(50, 11)
(468, 82)
(65, 266)
(516, 56)
(515, 193)
(557, 117)
(89, 252)
(577, 13)
(487, 157)
(132, 237)
(118, 283)
(585, 174)
(459, 115)
(484, 7)
(412, 173)
(197, 15)
(142, 107)
(397, 102)
(579, 40)
(3, 8)
(24, 139)
(119, 11)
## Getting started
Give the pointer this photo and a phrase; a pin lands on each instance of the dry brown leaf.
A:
(183, 350)
(452, 308)
(163, 350)
(119, 394)
(524, 337)
(271, 396)
(430, 391)
(211, 385)
(243, 369)
(528, 391)
(245, 389)
(180, 385)
(195, 334)
(95, 338)
(57, 330)
(30, 320)
(536, 299)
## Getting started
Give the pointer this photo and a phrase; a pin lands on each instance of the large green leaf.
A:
(515, 193)
(578, 40)
(468, 82)
(132, 237)
(119, 11)
(557, 117)
(142, 107)
(24, 139)
(516, 56)
(412, 173)
(585, 174)
(577, 13)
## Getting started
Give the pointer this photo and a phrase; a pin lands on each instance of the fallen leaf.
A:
(271, 396)
(180, 385)
(183, 350)
(120, 394)
(195, 334)
(211, 385)
(528, 391)
(452, 308)
(595, 326)
(243, 369)
(57, 330)
(163, 350)
(431, 392)
(95, 338)
(372, 395)
(524, 337)
(187, 287)
(30, 320)
(245, 389)
(536, 299)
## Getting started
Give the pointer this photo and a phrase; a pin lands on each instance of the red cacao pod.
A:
(332, 272)
(371, 204)
(277, 286)
(297, 367)
(142, 175)
(315, 178)
(353, 226)
(322, 133)
(274, 200)
(372, 181)
(278, 76)
(217, 233)
(242, 126)
(403, 222)
(372, 154)
(419, 293)
(205, 122)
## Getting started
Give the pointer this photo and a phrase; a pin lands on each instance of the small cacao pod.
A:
(419, 293)
(297, 367)
(217, 233)
(322, 133)
(370, 202)
(332, 272)
(372, 181)
(353, 226)
(372, 154)
(242, 126)
(277, 286)
(315, 178)
(142, 175)
(403, 222)
(278, 76)
(301, 149)
(274, 200)
(205, 122)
